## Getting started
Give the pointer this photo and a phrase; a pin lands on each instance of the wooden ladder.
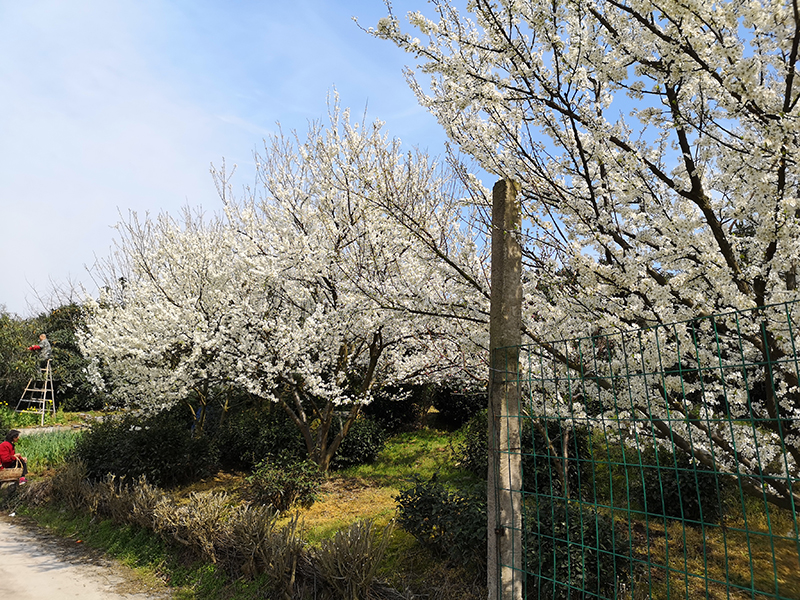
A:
(39, 394)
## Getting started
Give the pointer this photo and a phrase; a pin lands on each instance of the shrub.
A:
(671, 485)
(572, 552)
(471, 452)
(400, 408)
(348, 562)
(159, 447)
(282, 483)
(248, 436)
(258, 547)
(362, 444)
(452, 523)
(457, 407)
(200, 525)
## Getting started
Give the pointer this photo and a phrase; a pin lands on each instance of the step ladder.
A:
(39, 396)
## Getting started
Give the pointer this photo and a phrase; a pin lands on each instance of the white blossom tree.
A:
(313, 290)
(656, 144)
(366, 299)
(163, 330)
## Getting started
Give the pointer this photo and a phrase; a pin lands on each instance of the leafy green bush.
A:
(248, 436)
(471, 448)
(452, 523)
(364, 440)
(572, 551)
(456, 407)
(160, 447)
(282, 483)
(400, 408)
(671, 485)
(471, 452)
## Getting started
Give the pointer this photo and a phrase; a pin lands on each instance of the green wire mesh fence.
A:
(664, 462)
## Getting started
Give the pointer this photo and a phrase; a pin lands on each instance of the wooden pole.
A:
(505, 575)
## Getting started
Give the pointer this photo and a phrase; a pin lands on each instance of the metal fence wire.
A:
(663, 462)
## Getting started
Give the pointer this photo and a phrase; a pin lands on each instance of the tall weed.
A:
(349, 561)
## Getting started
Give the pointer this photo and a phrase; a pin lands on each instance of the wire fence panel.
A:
(664, 462)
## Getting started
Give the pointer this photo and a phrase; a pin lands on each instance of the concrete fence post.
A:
(505, 549)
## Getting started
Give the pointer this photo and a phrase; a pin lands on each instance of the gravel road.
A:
(38, 566)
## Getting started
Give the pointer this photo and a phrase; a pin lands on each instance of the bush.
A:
(199, 525)
(457, 407)
(257, 546)
(159, 447)
(451, 523)
(471, 452)
(572, 552)
(671, 485)
(400, 408)
(361, 445)
(248, 436)
(349, 561)
(282, 483)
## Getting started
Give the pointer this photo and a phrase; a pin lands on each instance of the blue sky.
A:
(108, 106)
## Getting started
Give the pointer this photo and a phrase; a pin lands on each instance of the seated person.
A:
(9, 455)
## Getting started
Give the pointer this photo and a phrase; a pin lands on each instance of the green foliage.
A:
(362, 444)
(471, 446)
(400, 408)
(452, 523)
(671, 485)
(572, 551)
(47, 450)
(456, 407)
(74, 392)
(538, 442)
(248, 436)
(282, 483)
(17, 364)
(159, 447)
(349, 561)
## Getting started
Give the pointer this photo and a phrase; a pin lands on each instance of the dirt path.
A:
(38, 566)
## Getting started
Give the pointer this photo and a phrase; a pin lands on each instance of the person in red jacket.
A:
(9, 455)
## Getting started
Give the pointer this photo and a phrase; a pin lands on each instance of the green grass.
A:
(417, 454)
(46, 450)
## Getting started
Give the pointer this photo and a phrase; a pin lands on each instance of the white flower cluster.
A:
(349, 268)
(656, 145)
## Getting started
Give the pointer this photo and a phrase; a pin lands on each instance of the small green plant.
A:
(361, 445)
(47, 450)
(160, 447)
(451, 522)
(282, 483)
(349, 561)
(572, 551)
